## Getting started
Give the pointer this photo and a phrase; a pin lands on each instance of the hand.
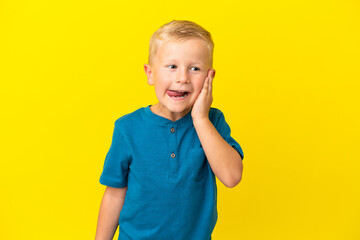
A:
(203, 102)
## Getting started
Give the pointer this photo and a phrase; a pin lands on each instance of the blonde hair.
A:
(179, 30)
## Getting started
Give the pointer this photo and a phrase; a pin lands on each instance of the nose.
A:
(183, 76)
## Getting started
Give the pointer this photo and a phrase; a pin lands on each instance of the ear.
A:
(149, 74)
(213, 73)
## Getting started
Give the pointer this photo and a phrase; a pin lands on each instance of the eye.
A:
(195, 68)
(171, 66)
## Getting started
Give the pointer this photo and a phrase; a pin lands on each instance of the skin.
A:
(186, 66)
(180, 66)
(109, 213)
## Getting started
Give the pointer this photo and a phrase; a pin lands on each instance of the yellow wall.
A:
(287, 81)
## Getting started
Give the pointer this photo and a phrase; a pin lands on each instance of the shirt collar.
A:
(159, 120)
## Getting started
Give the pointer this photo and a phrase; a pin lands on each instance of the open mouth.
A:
(177, 94)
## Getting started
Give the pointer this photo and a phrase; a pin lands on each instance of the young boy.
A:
(161, 166)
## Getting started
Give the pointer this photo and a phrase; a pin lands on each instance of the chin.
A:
(179, 109)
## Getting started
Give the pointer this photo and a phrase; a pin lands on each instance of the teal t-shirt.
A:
(172, 193)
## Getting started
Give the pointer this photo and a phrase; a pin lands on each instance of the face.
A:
(178, 73)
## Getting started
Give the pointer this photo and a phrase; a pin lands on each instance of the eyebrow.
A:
(169, 60)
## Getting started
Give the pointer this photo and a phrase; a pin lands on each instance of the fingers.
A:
(210, 81)
(207, 87)
(206, 82)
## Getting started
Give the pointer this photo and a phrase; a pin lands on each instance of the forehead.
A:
(194, 49)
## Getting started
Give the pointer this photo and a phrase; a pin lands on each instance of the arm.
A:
(224, 160)
(110, 208)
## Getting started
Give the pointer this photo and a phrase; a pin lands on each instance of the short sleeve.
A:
(116, 165)
(224, 130)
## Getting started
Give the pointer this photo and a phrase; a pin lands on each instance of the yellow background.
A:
(287, 81)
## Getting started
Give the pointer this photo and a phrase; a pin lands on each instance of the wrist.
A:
(201, 120)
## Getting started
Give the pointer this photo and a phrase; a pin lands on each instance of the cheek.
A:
(161, 80)
(198, 87)
(199, 84)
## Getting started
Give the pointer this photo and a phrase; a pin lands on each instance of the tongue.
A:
(175, 94)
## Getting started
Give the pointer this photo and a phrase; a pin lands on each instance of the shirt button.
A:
(172, 130)
(173, 155)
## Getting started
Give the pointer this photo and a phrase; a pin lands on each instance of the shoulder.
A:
(130, 119)
(217, 118)
(215, 114)
(128, 124)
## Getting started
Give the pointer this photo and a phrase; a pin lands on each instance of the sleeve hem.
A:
(240, 152)
(110, 183)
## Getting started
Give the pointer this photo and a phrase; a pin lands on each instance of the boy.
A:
(161, 166)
